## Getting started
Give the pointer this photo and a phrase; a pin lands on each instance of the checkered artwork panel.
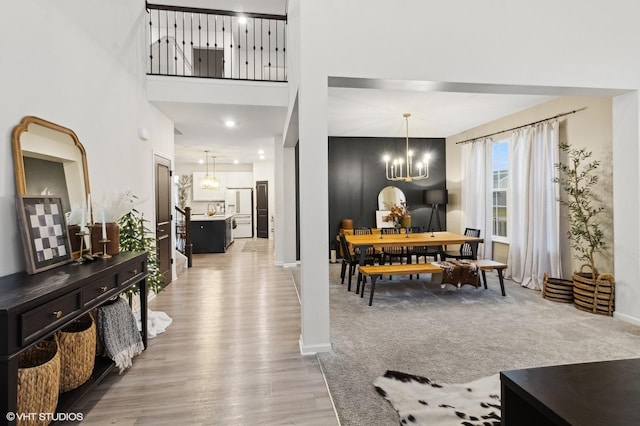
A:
(45, 236)
(47, 231)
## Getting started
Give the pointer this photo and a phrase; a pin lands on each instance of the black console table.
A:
(593, 393)
(33, 307)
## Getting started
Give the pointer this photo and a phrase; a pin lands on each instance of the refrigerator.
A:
(239, 202)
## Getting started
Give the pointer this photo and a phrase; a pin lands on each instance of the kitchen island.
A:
(212, 234)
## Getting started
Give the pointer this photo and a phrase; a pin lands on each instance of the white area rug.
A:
(422, 401)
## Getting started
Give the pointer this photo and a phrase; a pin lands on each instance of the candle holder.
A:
(90, 243)
(81, 234)
(104, 254)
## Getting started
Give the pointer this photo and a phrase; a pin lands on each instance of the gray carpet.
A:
(453, 335)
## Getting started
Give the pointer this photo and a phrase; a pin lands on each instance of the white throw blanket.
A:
(118, 329)
(422, 401)
(157, 322)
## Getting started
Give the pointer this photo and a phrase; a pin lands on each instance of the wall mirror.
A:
(389, 196)
(49, 160)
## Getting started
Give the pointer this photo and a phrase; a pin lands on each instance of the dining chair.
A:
(424, 251)
(391, 253)
(370, 251)
(351, 261)
(467, 250)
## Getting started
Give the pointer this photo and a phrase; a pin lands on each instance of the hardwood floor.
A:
(231, 356)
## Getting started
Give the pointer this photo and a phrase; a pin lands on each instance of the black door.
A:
(262, 208)
(163, 217)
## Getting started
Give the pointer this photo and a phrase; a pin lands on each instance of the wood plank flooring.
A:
(231, 356)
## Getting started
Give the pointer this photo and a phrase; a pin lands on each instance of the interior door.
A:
(163, 216)
(262, 209)
(208, 62)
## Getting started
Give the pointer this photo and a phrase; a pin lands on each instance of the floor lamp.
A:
(435, 197)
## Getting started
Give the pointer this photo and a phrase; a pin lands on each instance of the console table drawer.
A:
(132, 274)
(39, 321)
(99, 290)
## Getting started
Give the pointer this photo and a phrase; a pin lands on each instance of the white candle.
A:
(89, 209)
(82, 222)
(104, 227)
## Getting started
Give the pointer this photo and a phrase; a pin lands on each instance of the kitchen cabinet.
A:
(240, 180)
(226, 179)
(212, 235)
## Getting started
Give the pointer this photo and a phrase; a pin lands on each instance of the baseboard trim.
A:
(313, 349)
(626, 318)
(291, 265)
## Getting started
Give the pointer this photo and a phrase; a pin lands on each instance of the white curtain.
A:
(533, 221)
(475, 192)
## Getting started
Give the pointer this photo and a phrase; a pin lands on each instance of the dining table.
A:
(417, 239)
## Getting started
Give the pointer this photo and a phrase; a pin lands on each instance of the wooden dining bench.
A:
(487, 265)
(377, 271)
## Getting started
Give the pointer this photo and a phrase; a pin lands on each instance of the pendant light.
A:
(398, 172)
(208, 181)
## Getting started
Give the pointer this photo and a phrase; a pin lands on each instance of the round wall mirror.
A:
(389, 196)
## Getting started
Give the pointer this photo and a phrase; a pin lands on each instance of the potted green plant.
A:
(577, 177)
(135, 236)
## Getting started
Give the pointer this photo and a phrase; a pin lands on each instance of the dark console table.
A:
(33, 307)
(595, 393)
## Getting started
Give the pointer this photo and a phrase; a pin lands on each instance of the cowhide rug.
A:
(422, 401)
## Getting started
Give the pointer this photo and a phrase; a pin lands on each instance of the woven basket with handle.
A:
(77, 343)
(38, 382)
(595, 295)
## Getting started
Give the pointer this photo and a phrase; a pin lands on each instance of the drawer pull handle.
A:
(104, 288)
(133, 271)
(57, 314)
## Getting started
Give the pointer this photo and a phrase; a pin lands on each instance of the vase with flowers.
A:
(399, 215)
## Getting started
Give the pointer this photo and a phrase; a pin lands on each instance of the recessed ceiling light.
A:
(235, 161)
(242, 19)
(261, 152)
(201, 161)
(262, 157)
(230, 123)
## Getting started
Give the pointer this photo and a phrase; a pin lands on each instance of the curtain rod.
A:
(524, 125)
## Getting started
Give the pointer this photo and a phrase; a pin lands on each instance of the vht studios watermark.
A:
(48, 417)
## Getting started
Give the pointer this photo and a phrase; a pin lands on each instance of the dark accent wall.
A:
(356, 176)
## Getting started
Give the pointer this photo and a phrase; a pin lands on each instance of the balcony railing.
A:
(192, 42)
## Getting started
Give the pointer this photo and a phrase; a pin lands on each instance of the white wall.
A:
(81, 64)
(515, 45)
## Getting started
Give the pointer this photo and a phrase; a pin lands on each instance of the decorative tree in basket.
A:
(577, 178)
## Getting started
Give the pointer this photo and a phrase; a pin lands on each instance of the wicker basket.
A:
(557, 289)
(594, 295)
(77, 343)
(38, 382)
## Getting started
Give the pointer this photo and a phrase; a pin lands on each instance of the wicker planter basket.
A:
(594, 295)
(557, 289)
(77, 343)
(38, 382)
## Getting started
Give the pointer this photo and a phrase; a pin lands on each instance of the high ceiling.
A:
(352, 111)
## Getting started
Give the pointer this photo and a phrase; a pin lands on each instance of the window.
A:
(500, 186)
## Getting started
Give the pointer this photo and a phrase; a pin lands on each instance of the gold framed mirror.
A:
(49, 159)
